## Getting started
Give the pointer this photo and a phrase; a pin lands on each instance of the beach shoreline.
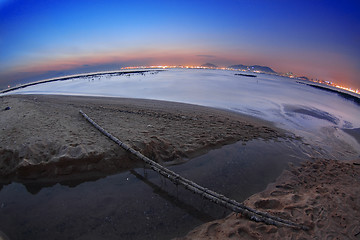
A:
(45, 139)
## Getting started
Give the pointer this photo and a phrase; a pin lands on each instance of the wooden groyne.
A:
(217, 198)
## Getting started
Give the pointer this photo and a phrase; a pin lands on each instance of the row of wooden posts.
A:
(217, 198)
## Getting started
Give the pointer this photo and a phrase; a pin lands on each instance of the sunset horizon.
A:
(47, 39)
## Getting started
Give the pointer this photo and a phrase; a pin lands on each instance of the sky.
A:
(47, 38)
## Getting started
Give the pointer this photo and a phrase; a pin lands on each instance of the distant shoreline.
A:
(346, 94)
(95, 74)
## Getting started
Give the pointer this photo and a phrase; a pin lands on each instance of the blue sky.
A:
(316, 38)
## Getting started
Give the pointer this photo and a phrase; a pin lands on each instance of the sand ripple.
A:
(323, 195)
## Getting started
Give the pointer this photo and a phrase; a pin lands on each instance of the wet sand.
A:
(323, 195)
(44, 138)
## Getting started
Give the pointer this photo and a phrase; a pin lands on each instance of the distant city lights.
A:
(289, 74)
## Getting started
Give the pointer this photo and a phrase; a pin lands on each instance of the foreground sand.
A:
(324, 195)
(44, 138)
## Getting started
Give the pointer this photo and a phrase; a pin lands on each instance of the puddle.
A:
(140, 204)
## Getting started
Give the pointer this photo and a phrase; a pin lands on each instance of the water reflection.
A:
(174, 200)
(139, 204)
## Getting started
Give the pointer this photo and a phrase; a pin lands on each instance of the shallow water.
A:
(139, 204)
(313, 114)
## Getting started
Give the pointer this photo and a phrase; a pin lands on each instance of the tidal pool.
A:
(139, 204)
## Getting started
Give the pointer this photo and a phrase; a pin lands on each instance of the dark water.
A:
(139, 204)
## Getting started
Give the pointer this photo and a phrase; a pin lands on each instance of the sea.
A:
(139, 204)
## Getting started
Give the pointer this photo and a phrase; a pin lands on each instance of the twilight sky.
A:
(46, 38)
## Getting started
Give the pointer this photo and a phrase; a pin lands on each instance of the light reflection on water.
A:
(139, 204)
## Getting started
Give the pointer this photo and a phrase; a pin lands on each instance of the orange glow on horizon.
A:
(68, 62)
(328, 70)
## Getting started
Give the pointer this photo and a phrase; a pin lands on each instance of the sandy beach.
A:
(323, 195)
(44, 138)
